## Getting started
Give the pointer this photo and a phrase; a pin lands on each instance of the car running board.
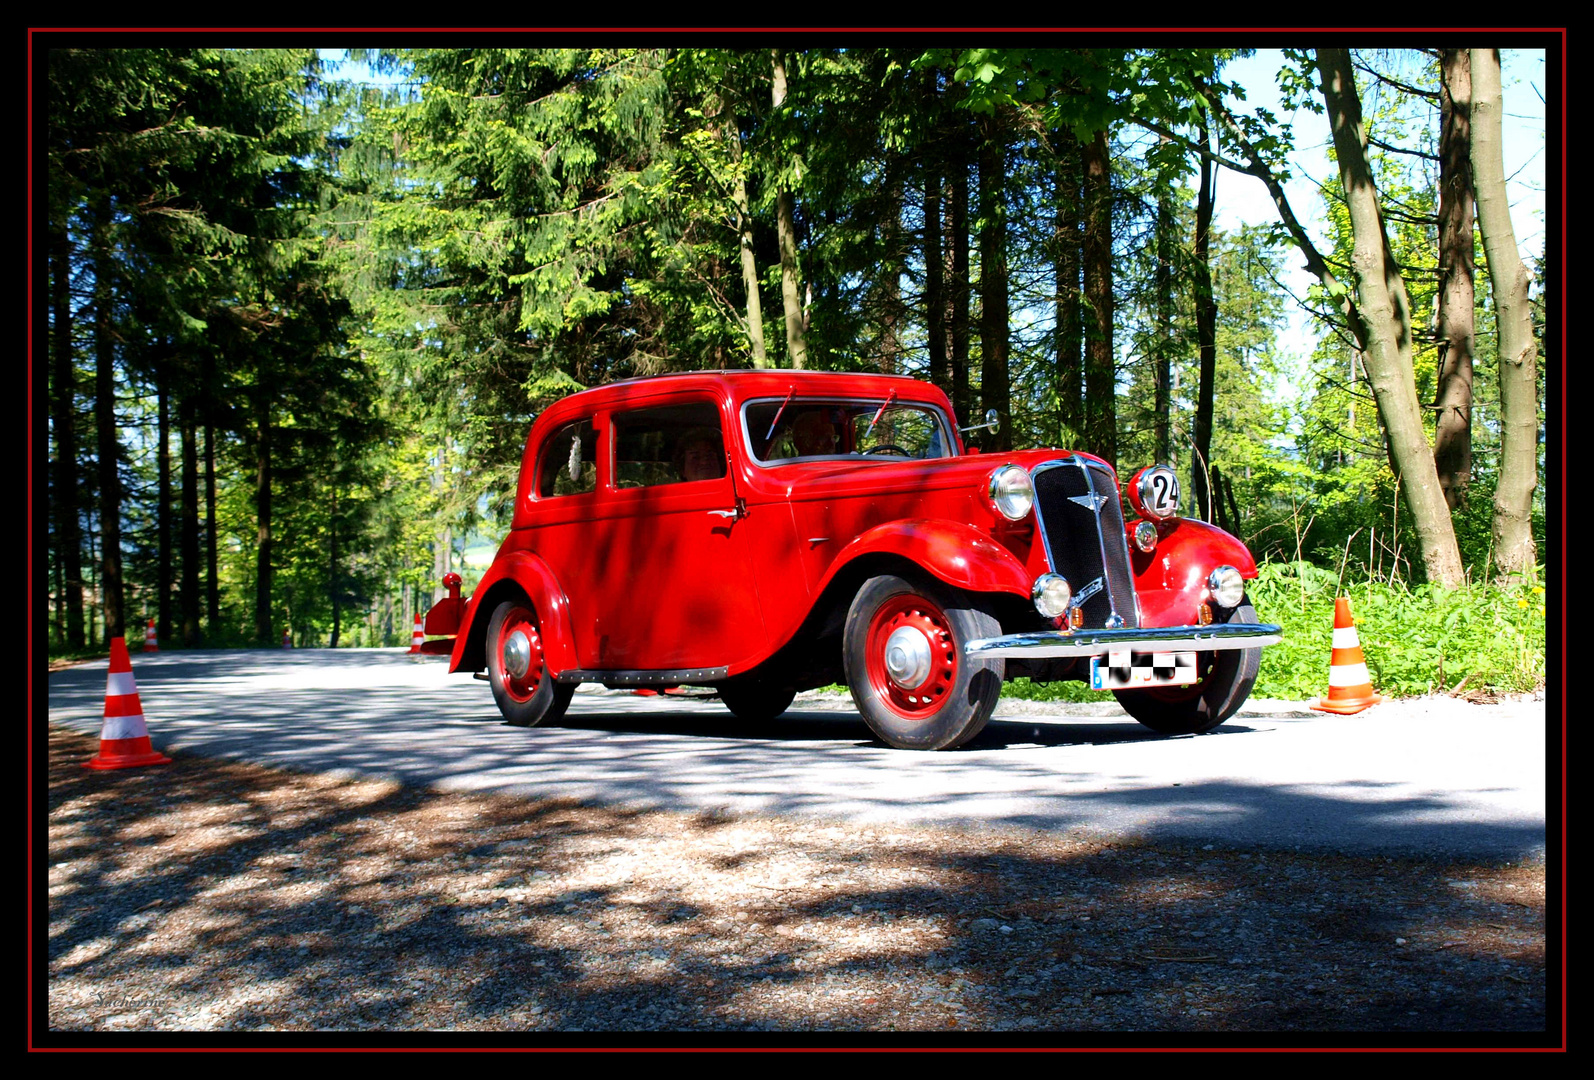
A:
(677, 677)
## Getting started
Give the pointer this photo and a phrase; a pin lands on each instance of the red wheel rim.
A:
(914, 613)
(520, 687)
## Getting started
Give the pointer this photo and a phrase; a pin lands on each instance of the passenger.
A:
(700, 455)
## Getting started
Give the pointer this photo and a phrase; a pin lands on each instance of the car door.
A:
(677, 590)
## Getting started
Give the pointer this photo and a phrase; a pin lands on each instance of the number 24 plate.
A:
(1123, 669)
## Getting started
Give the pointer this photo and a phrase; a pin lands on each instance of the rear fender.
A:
(512, 574)
(1171, 581)
(951, 551)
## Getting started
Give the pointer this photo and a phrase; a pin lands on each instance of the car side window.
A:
(569, 461)
(673, 444)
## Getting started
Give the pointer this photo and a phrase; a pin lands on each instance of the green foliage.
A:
(1417, 640)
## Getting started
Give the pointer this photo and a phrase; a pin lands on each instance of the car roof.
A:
(742, 383)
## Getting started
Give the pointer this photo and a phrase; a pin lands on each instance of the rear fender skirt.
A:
(531, 574)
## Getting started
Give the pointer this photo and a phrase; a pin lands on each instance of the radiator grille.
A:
(1080, 551)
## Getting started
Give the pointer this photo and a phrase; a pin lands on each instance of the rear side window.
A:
(569, 461)
(671, 445)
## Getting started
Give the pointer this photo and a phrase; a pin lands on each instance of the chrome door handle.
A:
(726, 513)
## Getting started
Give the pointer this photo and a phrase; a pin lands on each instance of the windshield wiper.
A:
(779, 413)
(889, 399)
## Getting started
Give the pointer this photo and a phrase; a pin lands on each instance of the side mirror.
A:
(992, 421)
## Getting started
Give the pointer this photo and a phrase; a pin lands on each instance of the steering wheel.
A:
(888, 448)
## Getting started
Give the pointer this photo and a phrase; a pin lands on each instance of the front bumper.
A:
(1042, 644)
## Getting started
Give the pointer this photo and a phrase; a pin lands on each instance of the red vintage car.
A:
(765, 532)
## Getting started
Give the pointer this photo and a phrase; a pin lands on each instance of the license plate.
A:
(1124, 669)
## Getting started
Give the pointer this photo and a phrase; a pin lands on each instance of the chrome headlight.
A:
(1051, 594)
(1226, 586)
(1012, 491)
(1154, 493)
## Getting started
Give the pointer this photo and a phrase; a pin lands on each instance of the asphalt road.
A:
(1436, 777)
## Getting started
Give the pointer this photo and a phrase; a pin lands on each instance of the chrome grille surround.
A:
(1064, 490)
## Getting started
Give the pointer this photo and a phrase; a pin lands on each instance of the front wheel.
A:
(522, 685)
(903, 650)
(1225, 682)
(756, 703)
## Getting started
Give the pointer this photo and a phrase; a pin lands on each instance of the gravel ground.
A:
(224, 896)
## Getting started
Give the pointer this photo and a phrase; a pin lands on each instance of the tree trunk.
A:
(263, 621)
(1452, 448)
(1385, 314)
(786, 227)
(744, 237)
(894, 267)
(935, 315)
(333, 586)
(994, 389)
(1162, 358)
(1206, 310)
(1068, 324)
(1514, 551)
(958, 245)
(212, 585)
(1099, 407)
(188, 521)
(68, 532)
(163, 505)
(109, 447)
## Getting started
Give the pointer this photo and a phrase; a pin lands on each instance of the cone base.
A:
(139, 752)
(1347, 706)
(151, 758)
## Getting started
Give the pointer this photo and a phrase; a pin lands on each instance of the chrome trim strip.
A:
(1040, 519)
(1095, 642)
(1114, 620)
(643, 677)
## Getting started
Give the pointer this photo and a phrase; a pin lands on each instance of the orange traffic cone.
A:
(124, 740)
(419, 635)
(149, 638)
(1350, 690)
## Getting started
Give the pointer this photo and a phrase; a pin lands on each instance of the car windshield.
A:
(782, 430)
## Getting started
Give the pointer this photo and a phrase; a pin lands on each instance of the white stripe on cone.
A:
(124, 727)
(1348, 675)
(120, 684)
(1345, 638)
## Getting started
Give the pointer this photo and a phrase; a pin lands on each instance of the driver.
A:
(813, 434)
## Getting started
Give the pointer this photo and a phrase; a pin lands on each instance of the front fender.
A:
(531, 575)
(1171, 580)
(952, 551)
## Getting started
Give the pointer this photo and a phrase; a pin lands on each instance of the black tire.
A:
(1226, 681)
(954, 699)
(530, 697)
(756, 702)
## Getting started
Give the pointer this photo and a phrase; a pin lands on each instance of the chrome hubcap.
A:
(517, 654)
(908, 657)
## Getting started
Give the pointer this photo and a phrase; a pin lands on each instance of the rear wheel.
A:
(903, 649)
(522, 685)
(1225, 682)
